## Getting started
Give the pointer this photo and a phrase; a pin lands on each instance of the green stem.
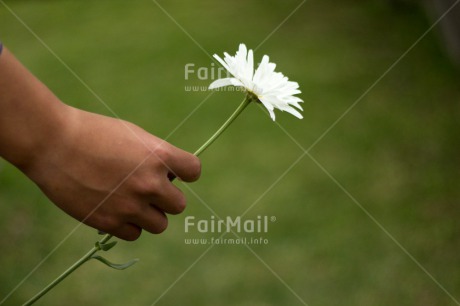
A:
(237, 112)
(67, 272)
(107, 237)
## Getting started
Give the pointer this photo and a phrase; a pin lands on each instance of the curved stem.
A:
(67, 272)
(107, 237)
(237, 112)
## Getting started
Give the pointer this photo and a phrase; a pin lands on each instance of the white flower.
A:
(271, 88)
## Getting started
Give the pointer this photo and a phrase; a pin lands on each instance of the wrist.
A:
(51, 136)
(37, 137)
(32, 118)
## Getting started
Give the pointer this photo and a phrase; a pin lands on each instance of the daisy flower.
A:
(272, 89)
(264, 85)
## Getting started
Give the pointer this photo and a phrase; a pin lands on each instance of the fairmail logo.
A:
(226, 225)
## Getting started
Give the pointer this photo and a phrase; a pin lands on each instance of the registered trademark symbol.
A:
(272, 218)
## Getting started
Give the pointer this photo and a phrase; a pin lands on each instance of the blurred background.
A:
(394, 157)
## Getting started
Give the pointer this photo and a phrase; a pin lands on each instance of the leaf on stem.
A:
(114, 265)
(105, 246)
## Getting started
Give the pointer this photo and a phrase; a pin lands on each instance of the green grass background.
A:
(396, 153)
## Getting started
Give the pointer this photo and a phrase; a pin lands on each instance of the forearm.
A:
(31, 116)
(105, 172)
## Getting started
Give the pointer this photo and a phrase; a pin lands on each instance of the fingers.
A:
(149, 218)
(186, 166)
(169, 198)
(158, 196)
(179, 163)
(127, 231)
(152, 220)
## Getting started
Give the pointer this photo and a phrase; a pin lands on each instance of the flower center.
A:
(253, 97)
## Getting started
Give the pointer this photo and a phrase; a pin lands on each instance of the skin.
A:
(108, 173)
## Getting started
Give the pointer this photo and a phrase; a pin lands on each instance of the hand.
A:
(107, 173)
(112, 175)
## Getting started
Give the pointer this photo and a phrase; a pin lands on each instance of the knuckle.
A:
(147, 185)
(107, 223)
(162, 153)
(128, 209)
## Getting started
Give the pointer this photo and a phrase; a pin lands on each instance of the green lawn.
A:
(368, 238)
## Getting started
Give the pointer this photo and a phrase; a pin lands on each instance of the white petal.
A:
(269, 107)
(241, 57)
(296, 104)
(222, 62)
(242, 52)
(292, 111)
(236, 82)
(274, 101)
(250, 65)
(225, 82)
(266, 103)
(260, 70)
(273, 89)
(293, 99)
